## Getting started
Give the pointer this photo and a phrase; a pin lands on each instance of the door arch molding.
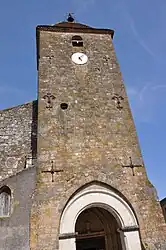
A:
(99, 195)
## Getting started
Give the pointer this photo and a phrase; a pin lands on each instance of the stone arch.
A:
(5, 201)
(99, 195)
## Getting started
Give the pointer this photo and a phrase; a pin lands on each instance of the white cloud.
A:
(159, 86)
(139, 38)
(131, 91)
(134, 30)
(146, 101)
(82, 5)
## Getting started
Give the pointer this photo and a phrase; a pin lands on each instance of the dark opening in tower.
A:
(97, 229)
(77, 41)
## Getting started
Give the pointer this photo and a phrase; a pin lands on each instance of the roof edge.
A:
(3, 182)
(163, 201)
(19, 106)
(73, 29)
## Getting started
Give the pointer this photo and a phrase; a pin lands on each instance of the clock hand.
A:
(80, 58)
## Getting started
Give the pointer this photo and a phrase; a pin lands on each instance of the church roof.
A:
(71, 25)
(74, 27)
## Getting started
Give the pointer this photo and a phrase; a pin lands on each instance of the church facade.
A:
(72, 175)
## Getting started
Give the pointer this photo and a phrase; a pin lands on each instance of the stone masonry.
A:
(18, 128)
(91, 140)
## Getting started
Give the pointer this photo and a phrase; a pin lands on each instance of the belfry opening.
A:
(97, 229)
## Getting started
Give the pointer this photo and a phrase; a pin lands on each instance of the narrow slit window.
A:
(77, 41)
(5, 201)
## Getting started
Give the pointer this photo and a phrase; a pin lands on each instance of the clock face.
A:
(79, 58)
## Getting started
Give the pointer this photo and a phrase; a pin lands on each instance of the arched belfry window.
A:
(77, 41)
(5, 201)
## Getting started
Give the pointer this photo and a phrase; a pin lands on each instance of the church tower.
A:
(92, 190)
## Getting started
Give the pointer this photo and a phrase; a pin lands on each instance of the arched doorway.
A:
(110, 203)
(97, 229)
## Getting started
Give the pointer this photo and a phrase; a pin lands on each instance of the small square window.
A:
(77, 41)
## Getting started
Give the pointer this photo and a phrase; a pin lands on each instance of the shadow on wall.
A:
(163, 206)
(143, 248)
(34, 127)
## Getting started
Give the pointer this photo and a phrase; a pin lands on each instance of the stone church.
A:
(72, 175)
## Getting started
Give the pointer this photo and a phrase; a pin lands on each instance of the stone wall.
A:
(18, 127)
(14, 230)
(90, 141)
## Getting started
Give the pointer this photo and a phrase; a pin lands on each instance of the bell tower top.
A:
(69, 26)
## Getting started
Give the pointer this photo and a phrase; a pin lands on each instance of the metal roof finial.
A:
(70, 18)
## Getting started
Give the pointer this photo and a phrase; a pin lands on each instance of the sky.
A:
(140, 39)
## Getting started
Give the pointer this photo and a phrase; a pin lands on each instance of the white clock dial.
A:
(79, 58)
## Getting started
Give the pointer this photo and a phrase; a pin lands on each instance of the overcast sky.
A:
(140, 40)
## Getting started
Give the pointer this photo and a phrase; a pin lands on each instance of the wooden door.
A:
(91, 244)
